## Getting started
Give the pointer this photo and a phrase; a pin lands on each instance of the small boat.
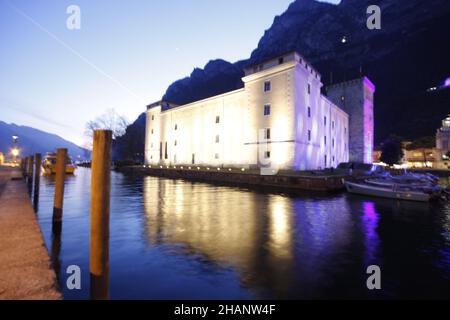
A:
(49, 164)
(400, 192)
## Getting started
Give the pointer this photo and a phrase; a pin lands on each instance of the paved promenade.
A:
(25, 269)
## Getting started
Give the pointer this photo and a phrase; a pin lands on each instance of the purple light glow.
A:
(447, 83)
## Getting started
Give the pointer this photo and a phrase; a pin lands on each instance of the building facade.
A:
(279, 119)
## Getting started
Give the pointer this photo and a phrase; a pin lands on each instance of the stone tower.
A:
(356, 97)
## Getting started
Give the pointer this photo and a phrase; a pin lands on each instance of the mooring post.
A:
(100, 198)
(37, 178)
(30, 174)
(61, 156)
(30, 167)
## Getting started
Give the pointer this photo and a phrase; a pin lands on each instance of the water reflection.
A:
(172, 239)
(281, 246)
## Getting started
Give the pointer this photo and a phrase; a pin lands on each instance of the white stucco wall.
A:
(242, 122)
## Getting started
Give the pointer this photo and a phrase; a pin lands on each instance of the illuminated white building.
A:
(278, 119)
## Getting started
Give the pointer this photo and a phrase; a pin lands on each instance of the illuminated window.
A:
(267, 133)
(217, 138)
(342, 98)
(267, 110)
(217, 119)
(267, 86)
(267, 154)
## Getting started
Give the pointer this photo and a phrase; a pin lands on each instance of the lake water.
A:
(174, 239)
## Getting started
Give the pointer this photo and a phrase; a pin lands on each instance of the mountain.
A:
(406, 57)
(33, 141)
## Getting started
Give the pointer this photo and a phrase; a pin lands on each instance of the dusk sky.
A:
(124, 56)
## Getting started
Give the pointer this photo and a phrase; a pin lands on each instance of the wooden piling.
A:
(30, 167)
(61, 157)
(100, 200)
(37, 178)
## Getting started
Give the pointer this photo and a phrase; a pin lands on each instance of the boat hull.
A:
(374, 191)
(52, 170)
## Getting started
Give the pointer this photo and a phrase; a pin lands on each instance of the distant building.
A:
(278, 118)
(443, 143)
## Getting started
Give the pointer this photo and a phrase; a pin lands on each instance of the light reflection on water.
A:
(173, 239)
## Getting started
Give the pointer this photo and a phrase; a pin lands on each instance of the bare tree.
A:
(110, 120)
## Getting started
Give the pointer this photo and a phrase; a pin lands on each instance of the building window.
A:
(309, 135)
(153, 117)
(267, 154)
(281, 60)
(325, 158)
(332, 125)
(309, 112)
(151, 146)
(267, 133)
(333, 158)
(267, 110)
(217, 119)
(175, 143)
(166, 154)
(160, 151)
(324, 121)
(309, 88)
(217, 138)
(152, 131)
(175, 158)
(332, 143)
(176, 127)
(216, 156)
(325, 140)
(267, 86)
(345, 130)
(193, 158)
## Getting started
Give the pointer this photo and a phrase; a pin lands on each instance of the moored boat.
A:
(49, 164)
(411, 193)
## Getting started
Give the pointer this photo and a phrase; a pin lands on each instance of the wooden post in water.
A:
(61, 156)
(30, 174)
(100, 198)
(37, 178)
(30, 167)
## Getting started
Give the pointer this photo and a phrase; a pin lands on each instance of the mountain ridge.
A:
(32, 140)
(405, 58)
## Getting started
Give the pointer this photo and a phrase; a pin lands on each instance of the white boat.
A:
(392, 192)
